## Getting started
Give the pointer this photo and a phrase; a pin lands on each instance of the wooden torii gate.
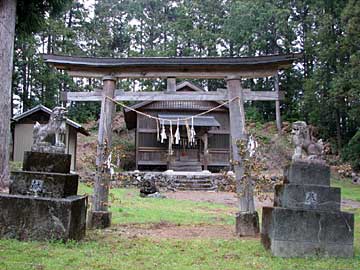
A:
(231, 69)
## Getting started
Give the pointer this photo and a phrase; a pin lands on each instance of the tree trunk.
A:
(338, 130)
(7, 33)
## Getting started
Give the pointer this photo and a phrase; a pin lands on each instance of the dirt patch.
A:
(164, 230)
(350, 204)
(226, 198)
(230, 198)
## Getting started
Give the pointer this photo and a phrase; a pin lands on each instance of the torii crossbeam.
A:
(230, 69)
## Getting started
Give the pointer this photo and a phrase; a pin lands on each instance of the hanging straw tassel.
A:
(163, 133)
(192, 132)
(171, 134)
(177, 133)
(187, 130)
(157, 130)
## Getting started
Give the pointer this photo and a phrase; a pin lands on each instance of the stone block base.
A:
(57, 185)
(34, 218)
(308, 197)
(247, 224)
(307, 173)
(46, 162)
(301, 233)
(99, 219)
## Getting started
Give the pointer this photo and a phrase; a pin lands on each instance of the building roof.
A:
(77, 126)
(199, 121)
(130, 116)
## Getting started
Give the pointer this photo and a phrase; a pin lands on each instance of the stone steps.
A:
(199, 184)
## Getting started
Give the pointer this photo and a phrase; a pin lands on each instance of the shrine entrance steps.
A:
(195, 184)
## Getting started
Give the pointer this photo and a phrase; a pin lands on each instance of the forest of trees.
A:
(322, 89)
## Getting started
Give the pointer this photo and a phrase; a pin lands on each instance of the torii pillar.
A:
(247, 220)
(99, 215)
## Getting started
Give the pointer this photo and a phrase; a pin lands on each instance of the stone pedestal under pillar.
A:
(99, 219)
(247, 224)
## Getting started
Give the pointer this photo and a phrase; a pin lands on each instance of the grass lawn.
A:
(108, 250)
(348, 190)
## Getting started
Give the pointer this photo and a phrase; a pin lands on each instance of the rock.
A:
(148, 186)
(157, 195)
(355, 178)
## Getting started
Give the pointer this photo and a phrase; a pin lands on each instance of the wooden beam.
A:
(219, 95)
(177, 74)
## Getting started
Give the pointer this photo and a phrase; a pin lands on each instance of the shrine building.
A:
(211, 148)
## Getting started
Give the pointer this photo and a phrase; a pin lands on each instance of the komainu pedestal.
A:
(42, 204)
(306, 219)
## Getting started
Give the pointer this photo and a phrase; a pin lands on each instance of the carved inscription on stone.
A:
(311, 199)
(37, 187)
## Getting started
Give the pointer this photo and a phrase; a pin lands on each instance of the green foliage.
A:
(32, 14)
(83, 112)
(253, 115)
(15, 166)
(351, 152)
(349, 190)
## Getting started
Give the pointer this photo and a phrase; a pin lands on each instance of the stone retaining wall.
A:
(169, 181)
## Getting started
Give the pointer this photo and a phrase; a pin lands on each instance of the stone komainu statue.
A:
(56, 126)
(304, 142)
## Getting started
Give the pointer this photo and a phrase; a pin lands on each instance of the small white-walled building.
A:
(22, 133)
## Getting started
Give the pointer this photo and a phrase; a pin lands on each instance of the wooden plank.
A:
(151, 149)
(220, 131)
(238, 135)
(152, 162)
(147, 130)
(171, 85)
(137, 143)
(219, 95)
